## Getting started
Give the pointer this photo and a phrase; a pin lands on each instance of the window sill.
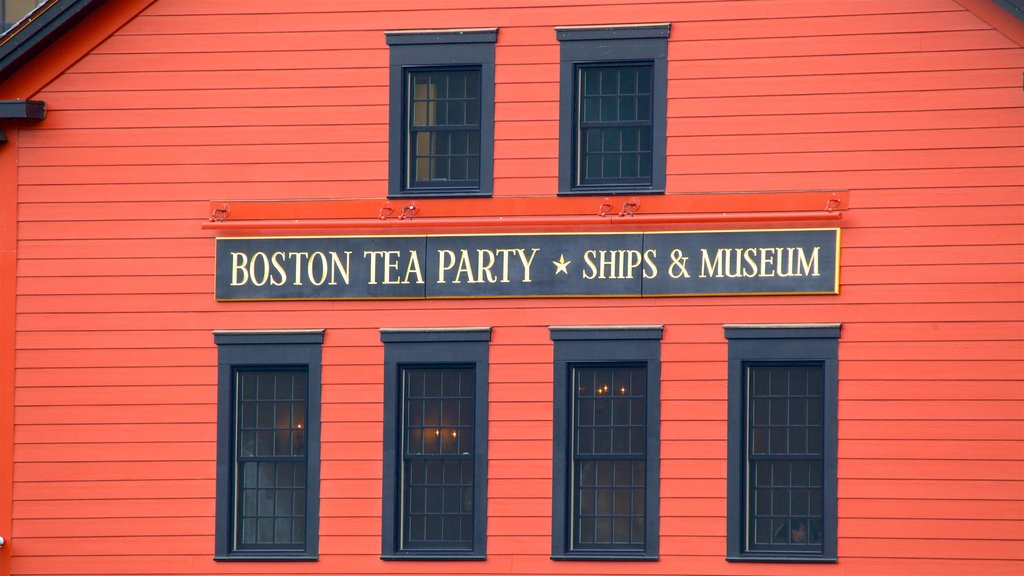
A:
(441, 193)
(606, 556)
(433, 556)
(611, 191)
(267, 557)
(776, 557)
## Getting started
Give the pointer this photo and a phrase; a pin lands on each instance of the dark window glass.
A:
(784, 460)
(270, 459)
(614, 124)
(438, 459)
(609, 457)
(442, 138)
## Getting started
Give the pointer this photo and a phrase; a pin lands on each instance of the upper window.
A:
(12, 11)
(442, 113)
(606, 443)
(435, 443)
(268, 445)
(613, 109)
(782, 442)
(29, 26)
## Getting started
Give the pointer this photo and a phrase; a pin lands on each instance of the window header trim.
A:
(652, 332)
(243, 337)
(475, 334)
(576, 33)
(787, 331)
(453, 36)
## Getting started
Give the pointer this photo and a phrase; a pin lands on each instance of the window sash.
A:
(608, 501)
(439, 151)
(610, 149)
(270, 487)
(783, 471)
(437, 472)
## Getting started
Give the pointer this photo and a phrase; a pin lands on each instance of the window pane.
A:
(627, 81)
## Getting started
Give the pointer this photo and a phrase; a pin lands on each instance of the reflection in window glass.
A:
(12, 11)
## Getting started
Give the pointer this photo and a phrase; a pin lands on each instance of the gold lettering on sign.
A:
(337, 266)
(445, 262)
(239, 274)
(650, 268)
(372, 255)
(527, 262)
(260, 259)
(413, 268)
(484, 269)
(618, 264)
(464, 268)
(390, 264)
(807, 265)
(277, 262)
(759, 262)
(297, 256)
(733, 262)
(317, 260)
(261, 268)
(480, 270)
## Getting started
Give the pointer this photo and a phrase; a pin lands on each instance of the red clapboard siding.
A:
(948, 509)
(912, 107)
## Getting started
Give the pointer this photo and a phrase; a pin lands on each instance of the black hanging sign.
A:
(529, 265)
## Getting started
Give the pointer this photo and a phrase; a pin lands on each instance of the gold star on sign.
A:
(561, 265)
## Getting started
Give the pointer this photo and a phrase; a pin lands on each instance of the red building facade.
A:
(707, 288)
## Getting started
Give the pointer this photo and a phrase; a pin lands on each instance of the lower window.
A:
(435, 443)
(782, 442)
(605, 477)
(268, 464)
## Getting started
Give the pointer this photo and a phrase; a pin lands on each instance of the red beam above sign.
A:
(519, 212)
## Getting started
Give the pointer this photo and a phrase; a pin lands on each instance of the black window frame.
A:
(255, 351)
(611, 46)
(432, 348)
(587, 346)
(439, 51)
(789, 346)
